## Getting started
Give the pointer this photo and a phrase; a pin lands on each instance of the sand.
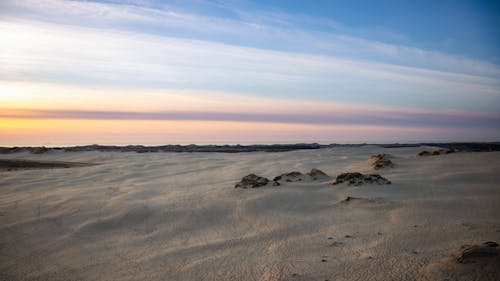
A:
(177, 216)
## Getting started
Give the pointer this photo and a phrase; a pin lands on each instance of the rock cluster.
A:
(357, 179)
(436, 152)
(468, 253)
(251, 181)
(295, 176)
(380, 161)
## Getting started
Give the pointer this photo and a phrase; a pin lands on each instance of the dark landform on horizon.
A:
(457, 146)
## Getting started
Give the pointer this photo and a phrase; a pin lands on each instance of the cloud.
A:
(369, 118)
(272, 30)
(140, 63)
(40, 52)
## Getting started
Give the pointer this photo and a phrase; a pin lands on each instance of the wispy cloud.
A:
(271, 30)
(88, 56)
(367, 118)
(79, 60)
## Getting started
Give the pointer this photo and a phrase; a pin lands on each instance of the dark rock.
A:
(491, 244)
(424, 153)
(436, 152)
(359, 179)
(289, 177)
(380, 161)
(251, 181)
(469, 253)
(316, 174)
(351, 178)
(349, 199)
(294, 174)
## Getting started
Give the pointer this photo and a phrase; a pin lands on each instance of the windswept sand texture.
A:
(177, 216)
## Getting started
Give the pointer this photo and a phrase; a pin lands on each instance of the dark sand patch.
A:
(15, 164)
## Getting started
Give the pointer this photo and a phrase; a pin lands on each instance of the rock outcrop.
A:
(317, 174)
(357, 179)
(290, 177)
(436, 152)
(296, 176)
(424, 153)
(380, 161)
(251, 181)
(468, 253)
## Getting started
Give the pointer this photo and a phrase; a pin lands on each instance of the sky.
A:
(182, 72)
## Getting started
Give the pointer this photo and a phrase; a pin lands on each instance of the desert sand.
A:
(177, 216)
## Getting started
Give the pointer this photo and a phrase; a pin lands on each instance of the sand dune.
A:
(177, 216)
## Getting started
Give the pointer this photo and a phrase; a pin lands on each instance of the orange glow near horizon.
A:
(56, 132)
(33, 114)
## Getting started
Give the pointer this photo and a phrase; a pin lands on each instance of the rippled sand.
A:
(176, 216)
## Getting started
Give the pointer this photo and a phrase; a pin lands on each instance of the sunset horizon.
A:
(249, 140)
(147, 72)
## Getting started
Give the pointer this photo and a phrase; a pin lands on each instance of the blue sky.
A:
(432, 64)
(463, 28)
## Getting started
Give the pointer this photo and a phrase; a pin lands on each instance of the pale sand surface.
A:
(176, 216)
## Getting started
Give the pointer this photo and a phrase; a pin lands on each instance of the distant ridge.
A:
(460, 146)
